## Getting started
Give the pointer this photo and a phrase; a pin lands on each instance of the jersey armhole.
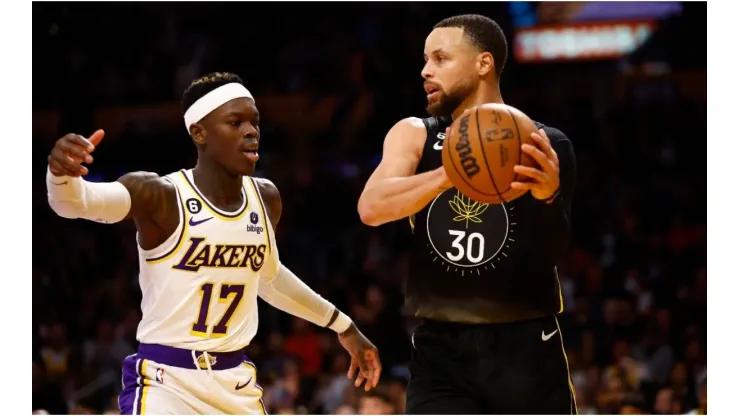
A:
(429, 123)
(174, 241)
(270, 230)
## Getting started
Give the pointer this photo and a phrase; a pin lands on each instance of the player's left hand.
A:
(364, 356)
(545, 181)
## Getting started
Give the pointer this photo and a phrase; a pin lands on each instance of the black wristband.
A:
(334, 317)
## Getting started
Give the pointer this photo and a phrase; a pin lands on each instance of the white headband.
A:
(214, 99)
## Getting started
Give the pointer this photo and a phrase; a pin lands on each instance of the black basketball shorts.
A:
(510, 368)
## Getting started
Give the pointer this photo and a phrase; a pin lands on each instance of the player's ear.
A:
(484, 63)
(197, 133)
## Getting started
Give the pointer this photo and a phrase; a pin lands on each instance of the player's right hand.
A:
(71, 151)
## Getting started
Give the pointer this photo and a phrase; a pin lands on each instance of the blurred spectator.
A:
(345, 410)
(665, 403)
(46, 395)
(331, 395)
(304, 344)
(286, 391)
(106, 352)
(397, 394)
(274, 361)
(55, 354)
(376, 402)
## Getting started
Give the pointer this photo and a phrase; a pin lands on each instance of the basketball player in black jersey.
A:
(483, 277)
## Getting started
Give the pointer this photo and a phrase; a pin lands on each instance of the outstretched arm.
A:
(285, 291)
(136, 195)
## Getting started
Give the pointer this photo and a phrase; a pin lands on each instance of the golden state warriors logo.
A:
(467, 235)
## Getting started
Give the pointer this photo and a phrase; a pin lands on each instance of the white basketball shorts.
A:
(162, 380)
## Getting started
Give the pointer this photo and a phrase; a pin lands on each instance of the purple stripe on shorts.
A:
(246, 361)
(140, 382)
(127, 400)
(182, 358)
(264, 408)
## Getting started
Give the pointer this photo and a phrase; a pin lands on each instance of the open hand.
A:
(364, 357)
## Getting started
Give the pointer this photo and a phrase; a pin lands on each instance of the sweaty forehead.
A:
(445, 39)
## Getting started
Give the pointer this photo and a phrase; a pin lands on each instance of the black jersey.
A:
(487, 263)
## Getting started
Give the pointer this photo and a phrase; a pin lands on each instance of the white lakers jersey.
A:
(199, 288)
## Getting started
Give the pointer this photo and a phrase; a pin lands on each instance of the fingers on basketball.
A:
(547, 159)
(530, 173)
(544, 143)
(524, 186)
(538, 156)
(542, 134)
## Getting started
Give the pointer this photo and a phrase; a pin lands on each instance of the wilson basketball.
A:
(485, 144)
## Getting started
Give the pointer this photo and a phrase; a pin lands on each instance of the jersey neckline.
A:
(188, 175)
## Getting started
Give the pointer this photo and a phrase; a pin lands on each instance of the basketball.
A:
(485, 144)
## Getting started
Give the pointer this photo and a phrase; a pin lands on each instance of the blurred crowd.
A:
(634, 278)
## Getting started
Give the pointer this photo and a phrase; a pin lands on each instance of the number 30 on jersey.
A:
(473, 246)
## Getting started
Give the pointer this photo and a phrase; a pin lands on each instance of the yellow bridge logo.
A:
(466, 209)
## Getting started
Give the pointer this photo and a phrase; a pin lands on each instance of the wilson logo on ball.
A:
(464, 151)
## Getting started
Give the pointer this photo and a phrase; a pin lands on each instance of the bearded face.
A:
(442, 103)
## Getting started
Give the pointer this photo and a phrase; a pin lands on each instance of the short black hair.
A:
(204, 85)
(484, 33)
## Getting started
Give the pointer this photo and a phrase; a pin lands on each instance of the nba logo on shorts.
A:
(253, 218)
(160, 375)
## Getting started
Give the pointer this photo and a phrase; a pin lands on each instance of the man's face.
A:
(231, 135)
(450, 70)
(663, 401)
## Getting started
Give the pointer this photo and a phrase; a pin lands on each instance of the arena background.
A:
(626, 82)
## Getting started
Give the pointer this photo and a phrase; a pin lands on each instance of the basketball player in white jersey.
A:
(206, 239)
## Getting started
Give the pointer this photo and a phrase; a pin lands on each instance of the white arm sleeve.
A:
(285, 291)
(75, 198)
